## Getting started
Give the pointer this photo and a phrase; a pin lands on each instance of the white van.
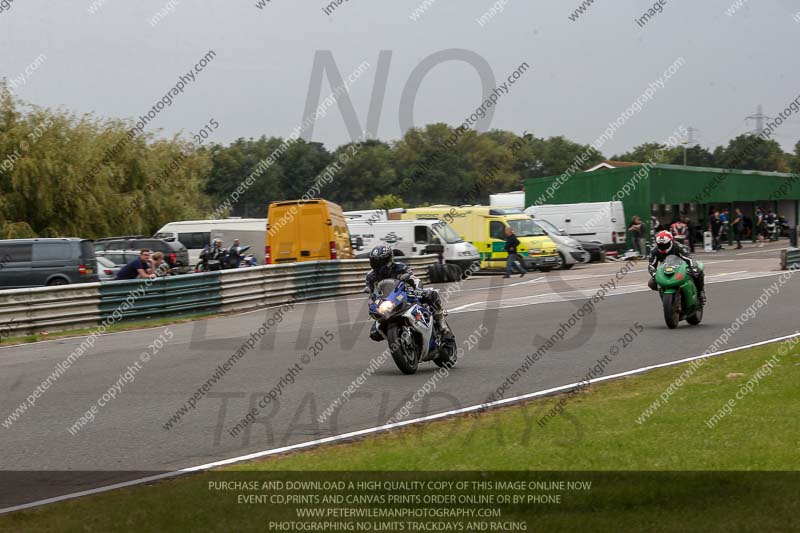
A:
(196, 234)
(410, 237)
(600, 222)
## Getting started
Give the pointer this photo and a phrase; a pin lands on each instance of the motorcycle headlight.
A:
(386, 307)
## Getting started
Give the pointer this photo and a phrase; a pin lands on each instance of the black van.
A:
(40, 262)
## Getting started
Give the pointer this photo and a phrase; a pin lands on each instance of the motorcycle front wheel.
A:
(672, 308)
(403, 348)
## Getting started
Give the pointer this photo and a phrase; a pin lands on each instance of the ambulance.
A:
(485, 226)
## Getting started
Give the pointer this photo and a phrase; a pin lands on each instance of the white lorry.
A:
(599, 222)
(410, 237)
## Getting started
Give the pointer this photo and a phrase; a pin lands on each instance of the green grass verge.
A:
(597, 432)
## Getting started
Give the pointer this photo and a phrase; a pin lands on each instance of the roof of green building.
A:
(721, 170)
(678, 167)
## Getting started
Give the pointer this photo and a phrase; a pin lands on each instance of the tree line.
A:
(67, 175)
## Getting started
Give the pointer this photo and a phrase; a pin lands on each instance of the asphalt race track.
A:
(128, 439)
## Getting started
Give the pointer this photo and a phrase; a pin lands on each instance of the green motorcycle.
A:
(678, 292)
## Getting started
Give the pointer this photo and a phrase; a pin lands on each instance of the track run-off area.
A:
(314, 376)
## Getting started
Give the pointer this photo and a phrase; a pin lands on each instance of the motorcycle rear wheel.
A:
(405, 355)
(672, 308)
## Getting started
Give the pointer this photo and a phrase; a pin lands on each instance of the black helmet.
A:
(381, 258)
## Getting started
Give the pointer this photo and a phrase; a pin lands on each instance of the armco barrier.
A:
(790, 257)
(26, 311)
(170, 296)
(275, 284)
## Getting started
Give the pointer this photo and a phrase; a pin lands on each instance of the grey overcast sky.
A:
(584, 73)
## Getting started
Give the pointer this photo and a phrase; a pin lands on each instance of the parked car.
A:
(595, 249)
(569, 249)
(106, 269)
(122, 250)
(99, 244)
(46, 262)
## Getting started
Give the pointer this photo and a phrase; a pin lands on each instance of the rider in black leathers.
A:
(666, 246)
(215, 251)
(235, 254)
(381, 259)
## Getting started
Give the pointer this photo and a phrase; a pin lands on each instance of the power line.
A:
(759, 118)
(690, 137)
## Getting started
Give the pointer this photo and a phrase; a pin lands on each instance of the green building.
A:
(667, 191)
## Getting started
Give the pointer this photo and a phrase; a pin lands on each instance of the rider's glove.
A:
(652, 270)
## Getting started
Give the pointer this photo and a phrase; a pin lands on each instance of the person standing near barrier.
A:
(725, 220)
(160, 268)
(636, 231)
(691, 231)
(512, 262)
(138, 268)
(715, 226)
(655, 227)
(759, 226)
(679, 230)
(738, 227)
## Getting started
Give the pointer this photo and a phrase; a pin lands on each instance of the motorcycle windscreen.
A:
(673, 261)
(386, 287)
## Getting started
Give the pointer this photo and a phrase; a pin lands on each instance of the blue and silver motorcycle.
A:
(409, 327)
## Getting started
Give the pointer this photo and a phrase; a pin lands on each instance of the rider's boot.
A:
(441, 325)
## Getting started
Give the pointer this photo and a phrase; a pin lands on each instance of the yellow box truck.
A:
(306, 230)
(485, 226)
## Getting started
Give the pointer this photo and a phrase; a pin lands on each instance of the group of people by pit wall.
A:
(762, 227)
